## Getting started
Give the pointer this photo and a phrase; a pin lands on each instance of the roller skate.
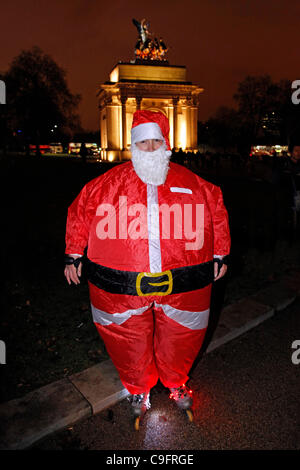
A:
(183, 398)
(140, 403)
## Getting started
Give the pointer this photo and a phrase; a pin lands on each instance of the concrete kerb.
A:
(53, 407)
(42, 412)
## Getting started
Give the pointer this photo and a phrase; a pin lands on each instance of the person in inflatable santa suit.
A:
(157, 236)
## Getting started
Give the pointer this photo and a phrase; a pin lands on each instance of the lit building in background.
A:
(151, 86)
(269, 150)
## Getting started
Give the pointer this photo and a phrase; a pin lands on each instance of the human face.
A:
(149, 145)
(152, 164)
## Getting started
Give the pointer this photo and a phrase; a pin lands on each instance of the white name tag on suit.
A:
(175, 189)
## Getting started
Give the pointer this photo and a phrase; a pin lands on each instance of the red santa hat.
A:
(150, 125)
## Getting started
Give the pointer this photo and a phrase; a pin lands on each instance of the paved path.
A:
(247, 397)
(94, 392)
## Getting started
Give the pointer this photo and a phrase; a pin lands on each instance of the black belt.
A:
(173, 281)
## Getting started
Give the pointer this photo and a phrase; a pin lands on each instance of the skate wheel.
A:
(190, 415)
(137, 423)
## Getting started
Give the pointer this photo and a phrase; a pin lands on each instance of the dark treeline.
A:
(265, 114)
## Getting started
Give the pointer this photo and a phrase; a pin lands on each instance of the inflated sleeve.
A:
(222, 240)
(78, 224)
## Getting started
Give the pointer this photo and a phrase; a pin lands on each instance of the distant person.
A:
(83, 152)
(180, 156)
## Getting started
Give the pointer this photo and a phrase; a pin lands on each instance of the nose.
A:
(151, 147)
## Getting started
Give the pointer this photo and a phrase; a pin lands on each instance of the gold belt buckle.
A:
(169, 282)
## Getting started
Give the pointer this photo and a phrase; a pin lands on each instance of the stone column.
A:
(194, 127)
(189, 126)
(113, 131)
(184, 137)
(189, 130)
(170, 117)
(109, 126)
(175, 122)
(103, 129)
(124, 123)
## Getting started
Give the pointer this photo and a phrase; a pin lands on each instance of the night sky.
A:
(220, 42)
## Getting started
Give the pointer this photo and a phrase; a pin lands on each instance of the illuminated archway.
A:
(153, 88)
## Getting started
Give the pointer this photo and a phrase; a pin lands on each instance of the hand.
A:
(222, 272)
(72, 274)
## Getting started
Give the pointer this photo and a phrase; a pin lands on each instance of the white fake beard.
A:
(151, 167)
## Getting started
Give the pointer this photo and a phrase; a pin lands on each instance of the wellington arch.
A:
(147, 84)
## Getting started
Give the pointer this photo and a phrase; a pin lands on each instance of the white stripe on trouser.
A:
(104, 318)
(191, 320)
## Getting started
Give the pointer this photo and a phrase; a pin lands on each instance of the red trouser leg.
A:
(175, 349)
(130, 347)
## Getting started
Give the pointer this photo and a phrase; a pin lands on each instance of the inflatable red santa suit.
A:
(152, 231)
